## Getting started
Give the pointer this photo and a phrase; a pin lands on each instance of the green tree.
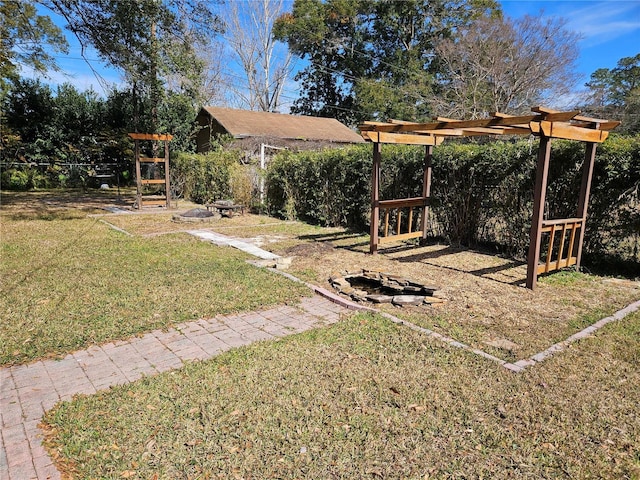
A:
(150, 41)
(29, 109)
(23, 37)
(615, 93)
(372, 59)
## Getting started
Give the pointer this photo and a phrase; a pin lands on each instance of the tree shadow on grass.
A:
(337, 237)
(46, 215)
(494, 273)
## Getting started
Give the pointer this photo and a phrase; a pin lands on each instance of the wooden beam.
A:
(556, 115)
(443, 132)
(598, 123)
(569, 132)
(560, 221)
(153, 202)
(496, 131)
(608, 126)
(138, 174)
(167, 177)
(404, 202)
(151, 136)
(398, 238)
(564, 263)
(582, 118)
(152, 160)
(404, 139)
(491, 126)
(426, 189)
(585, 189)
(486, 122)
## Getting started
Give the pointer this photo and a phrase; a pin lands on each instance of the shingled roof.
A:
(246, 123)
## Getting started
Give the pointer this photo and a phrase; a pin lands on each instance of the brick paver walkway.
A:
(27, 391)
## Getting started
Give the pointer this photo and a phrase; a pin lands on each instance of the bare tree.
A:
(505, 65)
(264, 62)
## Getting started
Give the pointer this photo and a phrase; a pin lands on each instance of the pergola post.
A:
(539, 194)
(167, 177)
(375, 198)
(426, 188)
(138, 175)
(585, 190)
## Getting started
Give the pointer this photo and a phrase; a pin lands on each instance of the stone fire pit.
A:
(196, 215)
(379, 287)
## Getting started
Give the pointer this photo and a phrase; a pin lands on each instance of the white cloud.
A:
(604, 21)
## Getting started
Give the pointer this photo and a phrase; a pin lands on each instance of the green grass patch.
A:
(566, 278)
(70, 283)
(365, 398)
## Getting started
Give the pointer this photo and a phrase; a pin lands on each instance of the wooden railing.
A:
(568, 228)
(386, 206)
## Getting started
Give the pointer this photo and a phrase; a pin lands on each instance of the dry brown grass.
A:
(486, 300)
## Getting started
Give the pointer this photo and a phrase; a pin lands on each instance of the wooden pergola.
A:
(566, 233)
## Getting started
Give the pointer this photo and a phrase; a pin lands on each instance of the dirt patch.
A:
(308, 250)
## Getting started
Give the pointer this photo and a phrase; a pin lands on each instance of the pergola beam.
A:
(568, 132)
(404, 139)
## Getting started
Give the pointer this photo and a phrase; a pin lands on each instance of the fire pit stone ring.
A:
(379, 287)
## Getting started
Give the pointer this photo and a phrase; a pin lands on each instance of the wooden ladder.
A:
(143, 200)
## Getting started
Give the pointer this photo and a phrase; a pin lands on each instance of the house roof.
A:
(247, 123)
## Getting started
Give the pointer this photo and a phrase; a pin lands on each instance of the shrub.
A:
(330, 187)
(241, 183)
(203, 178)
(14, 179)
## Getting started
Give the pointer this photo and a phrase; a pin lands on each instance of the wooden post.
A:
(138, 175)
(375, 198)
(167, 185)
(539, 194)
(426, 189)
(585, 190)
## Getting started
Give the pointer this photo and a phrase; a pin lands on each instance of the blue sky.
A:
(610, 31)
(610, 28)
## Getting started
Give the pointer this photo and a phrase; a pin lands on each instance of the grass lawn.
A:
(69, 281)
(365, 399)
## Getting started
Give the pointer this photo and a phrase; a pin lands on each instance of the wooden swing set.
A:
(566, 234)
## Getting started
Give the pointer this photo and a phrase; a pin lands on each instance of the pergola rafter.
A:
(544, 123)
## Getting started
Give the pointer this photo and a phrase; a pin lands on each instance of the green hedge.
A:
(330, 187)
(203, 178)
(482, 193)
